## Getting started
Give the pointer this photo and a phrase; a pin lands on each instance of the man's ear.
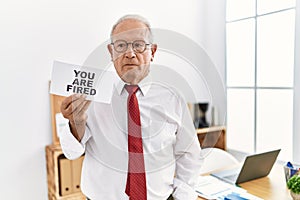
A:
(153, 50)
(110, 49)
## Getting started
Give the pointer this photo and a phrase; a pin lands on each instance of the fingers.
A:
(81, 107)
(68, 100)
(86, 105)
(74, 107)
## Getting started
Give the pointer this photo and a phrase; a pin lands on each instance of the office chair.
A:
(215, 158)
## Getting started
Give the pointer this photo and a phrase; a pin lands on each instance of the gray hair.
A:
(133, 17)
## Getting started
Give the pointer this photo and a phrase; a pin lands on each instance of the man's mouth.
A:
(130, 65)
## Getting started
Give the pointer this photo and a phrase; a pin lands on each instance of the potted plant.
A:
(294, 185)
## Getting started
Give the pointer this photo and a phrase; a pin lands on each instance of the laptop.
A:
(254, 166)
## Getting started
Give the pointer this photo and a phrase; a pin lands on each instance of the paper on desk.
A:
(210, 187)
(68, 79)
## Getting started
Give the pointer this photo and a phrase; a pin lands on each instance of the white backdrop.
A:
(36, 32)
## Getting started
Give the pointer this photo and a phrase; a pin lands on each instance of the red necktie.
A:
(136, 177)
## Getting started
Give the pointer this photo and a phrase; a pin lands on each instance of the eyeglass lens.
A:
(121, 46)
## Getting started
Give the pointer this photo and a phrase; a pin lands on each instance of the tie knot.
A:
(131, 89)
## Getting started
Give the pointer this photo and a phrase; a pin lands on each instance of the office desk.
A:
(272, 187)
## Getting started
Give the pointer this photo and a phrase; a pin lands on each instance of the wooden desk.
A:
(272, 187)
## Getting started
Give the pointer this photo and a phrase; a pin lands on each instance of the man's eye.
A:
(138, 45)
(121, 45)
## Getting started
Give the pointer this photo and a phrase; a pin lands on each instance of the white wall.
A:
(34, 33)
(212, 38)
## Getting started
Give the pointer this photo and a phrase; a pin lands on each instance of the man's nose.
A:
(130, 52)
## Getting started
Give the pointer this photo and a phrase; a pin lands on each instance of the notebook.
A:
(254, 166)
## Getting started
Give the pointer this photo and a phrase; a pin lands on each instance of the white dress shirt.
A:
(170, 145)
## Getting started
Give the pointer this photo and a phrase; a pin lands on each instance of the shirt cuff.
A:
(183, 191)
(71, 147)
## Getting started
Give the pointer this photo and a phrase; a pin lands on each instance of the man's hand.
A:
(74, 109)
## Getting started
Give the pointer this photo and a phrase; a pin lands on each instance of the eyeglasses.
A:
(138, 46)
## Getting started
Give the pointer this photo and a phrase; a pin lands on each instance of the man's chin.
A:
(132, 77)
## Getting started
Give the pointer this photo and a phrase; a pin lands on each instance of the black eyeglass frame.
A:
(127, 43)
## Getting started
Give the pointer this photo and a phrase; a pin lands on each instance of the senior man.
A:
(142, 145)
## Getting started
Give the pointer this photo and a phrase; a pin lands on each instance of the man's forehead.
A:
(132, 34)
